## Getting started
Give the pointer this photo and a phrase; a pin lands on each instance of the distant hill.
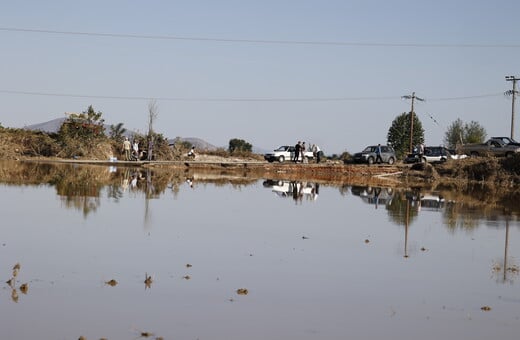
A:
(197, 142)
(53, 126)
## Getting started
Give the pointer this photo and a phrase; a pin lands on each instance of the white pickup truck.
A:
(285, 152)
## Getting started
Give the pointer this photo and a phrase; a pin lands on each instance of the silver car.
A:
(369, 155)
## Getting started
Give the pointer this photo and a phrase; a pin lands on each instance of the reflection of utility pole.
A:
(406, 228)
(513, 94)
(505, 248)
(413, 98)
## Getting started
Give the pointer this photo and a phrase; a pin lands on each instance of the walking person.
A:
(126, 149)
(378, 154)
(302, 151)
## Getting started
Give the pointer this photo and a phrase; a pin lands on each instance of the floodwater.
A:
(313, 260)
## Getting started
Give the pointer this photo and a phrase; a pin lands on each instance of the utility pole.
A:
(413, 98)
(513, 94)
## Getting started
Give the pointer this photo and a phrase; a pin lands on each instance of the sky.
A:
(330, 72)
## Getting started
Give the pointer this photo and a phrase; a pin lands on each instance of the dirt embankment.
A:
(501, 172)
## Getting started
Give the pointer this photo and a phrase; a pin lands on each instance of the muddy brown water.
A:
(220, 255)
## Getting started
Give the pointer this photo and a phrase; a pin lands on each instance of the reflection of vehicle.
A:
(426, 201)
(285, 152)
(493, 147)
(294, 189)
(369, 155)
(373, 195)
(432, 154)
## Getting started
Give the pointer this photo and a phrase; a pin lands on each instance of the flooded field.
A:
(124, 253)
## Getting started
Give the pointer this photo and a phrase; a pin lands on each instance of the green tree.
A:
(84, 126)
(239, 145)
(399, 133)
(460, 133)
(80, 133)
(117, 131)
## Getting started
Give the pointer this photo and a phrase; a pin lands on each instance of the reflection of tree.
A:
(397, 209)
(459, 216)
(78, 190)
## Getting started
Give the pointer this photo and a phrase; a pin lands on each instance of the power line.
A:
(467, 97)
(198, 99)
(261, 41)
(231, 99)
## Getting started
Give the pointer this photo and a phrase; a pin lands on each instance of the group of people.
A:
(299, 153)
(130, 150)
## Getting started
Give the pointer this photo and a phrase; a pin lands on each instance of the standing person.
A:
(135, 150)
(297, 149)
(302, 151)
(378, 154)
(316, 152)
(126, 148)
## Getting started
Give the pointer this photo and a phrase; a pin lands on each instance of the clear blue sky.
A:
(293, 82)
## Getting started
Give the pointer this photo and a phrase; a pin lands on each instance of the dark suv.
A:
(369, 155)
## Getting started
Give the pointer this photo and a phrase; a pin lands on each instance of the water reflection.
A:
(257, 258)
(81, 187)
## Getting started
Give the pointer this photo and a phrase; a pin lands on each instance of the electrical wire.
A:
(209, 99)
(261, 41)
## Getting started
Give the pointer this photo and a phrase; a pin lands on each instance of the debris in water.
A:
(187, 277)
(24, 288)
(147, 280)
(485, 308)
(111, 282)
(188, 265)
(14, 295)
(242, 291)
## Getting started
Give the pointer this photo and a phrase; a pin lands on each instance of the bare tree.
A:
(152, 116)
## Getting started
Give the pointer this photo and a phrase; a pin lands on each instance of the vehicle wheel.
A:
(391, 160)
(281, 159)
(270, 160)
(423, 160)
(474, 154)
(370, 160)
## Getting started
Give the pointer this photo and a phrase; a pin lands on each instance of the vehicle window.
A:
(370, 149)
(384, 149)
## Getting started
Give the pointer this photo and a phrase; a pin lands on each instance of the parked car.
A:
(432, 154)
(492, 147)
(369, 155)
(285, 152)
(506, 140)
